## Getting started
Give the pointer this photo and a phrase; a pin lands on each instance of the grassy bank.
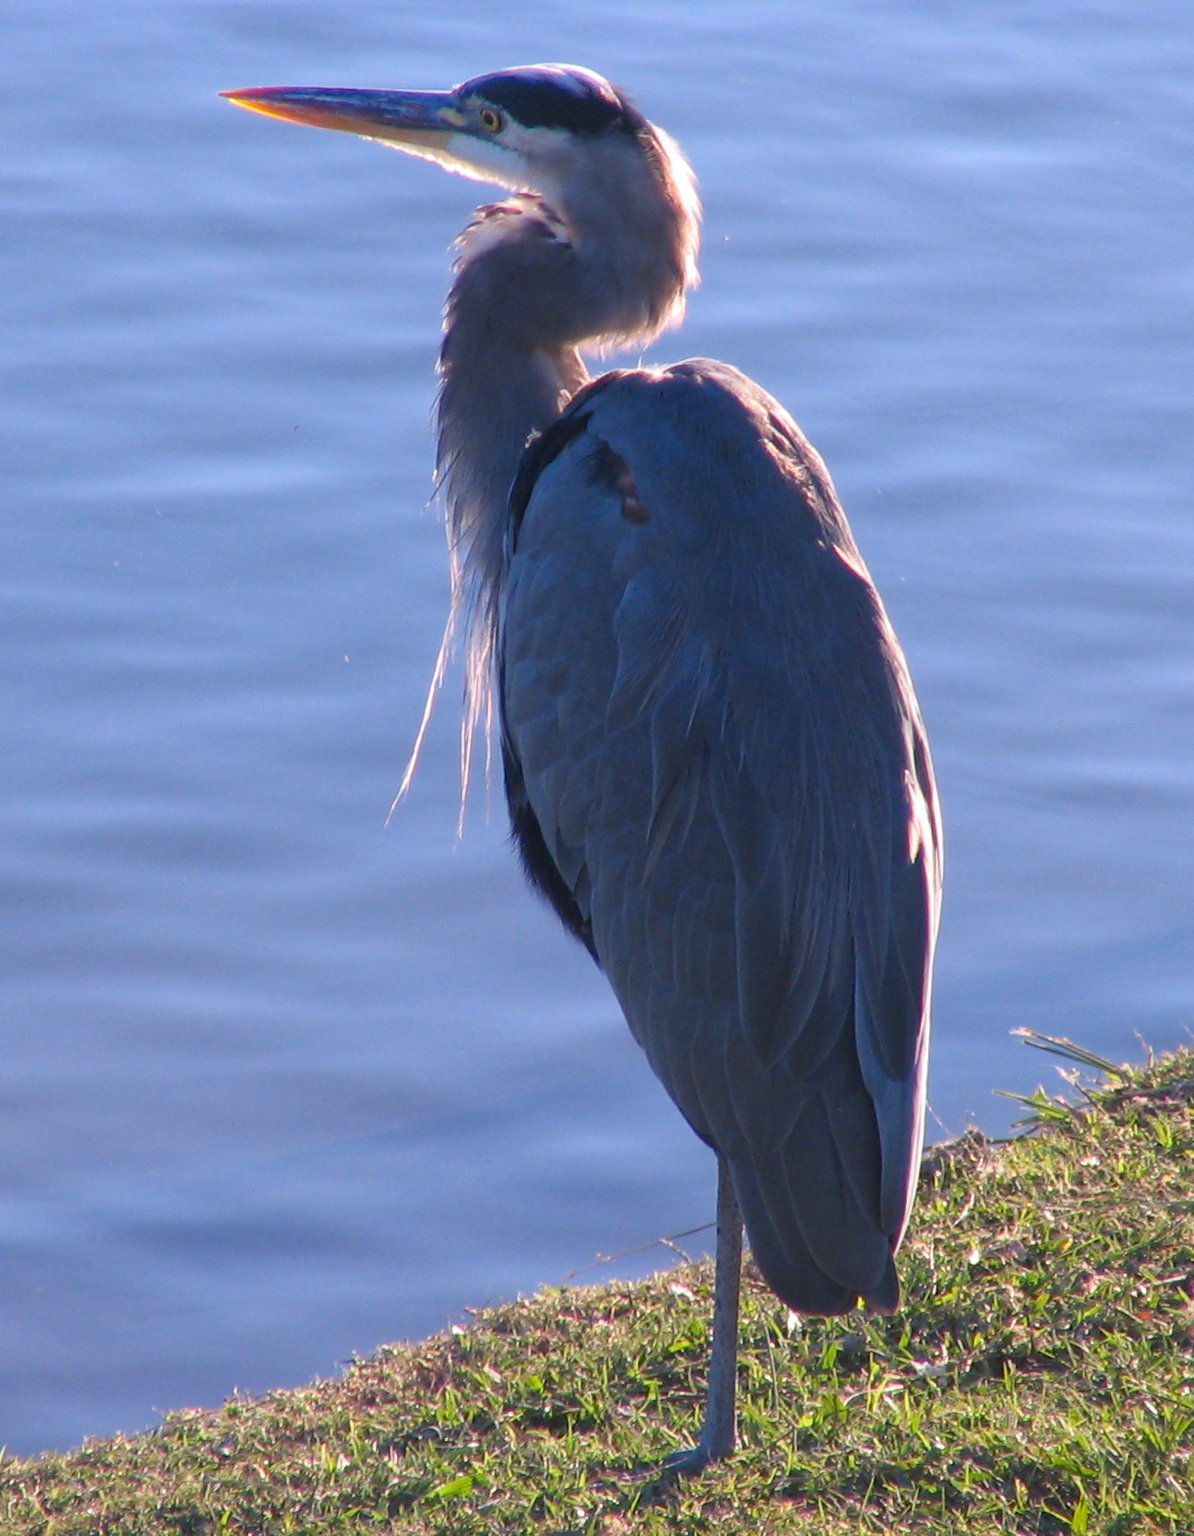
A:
(1039, 1378)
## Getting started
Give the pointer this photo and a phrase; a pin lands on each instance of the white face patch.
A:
(520, 159)
(478, 159)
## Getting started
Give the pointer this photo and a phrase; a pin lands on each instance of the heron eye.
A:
(491, 120)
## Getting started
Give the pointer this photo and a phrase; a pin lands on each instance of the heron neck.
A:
(529, 288)
(494, 394)
(496, 390)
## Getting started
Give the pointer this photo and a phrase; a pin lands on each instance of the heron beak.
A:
(425, 123)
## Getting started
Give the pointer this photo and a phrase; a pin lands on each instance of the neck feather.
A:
(501, 381)
(530, 287)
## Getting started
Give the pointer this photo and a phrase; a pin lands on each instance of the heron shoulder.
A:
(707, 443)
(702, 692)
(682, 517)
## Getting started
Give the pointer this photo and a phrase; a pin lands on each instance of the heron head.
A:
(618, 182)
(525, 128)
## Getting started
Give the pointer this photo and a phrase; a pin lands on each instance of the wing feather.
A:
(709, 722)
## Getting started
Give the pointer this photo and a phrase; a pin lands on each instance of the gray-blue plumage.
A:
(714, 761)
(718, 774)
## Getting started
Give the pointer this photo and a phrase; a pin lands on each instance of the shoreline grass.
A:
(1038, 1380)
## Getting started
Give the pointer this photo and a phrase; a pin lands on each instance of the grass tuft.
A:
(1038, 1380)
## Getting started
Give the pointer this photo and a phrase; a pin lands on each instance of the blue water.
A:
(281, 1082)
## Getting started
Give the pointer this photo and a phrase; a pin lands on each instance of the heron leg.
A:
(719, 1432)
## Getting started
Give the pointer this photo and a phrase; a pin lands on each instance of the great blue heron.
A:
(714, 760)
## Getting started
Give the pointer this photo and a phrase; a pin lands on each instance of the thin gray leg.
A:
(720, 1429)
